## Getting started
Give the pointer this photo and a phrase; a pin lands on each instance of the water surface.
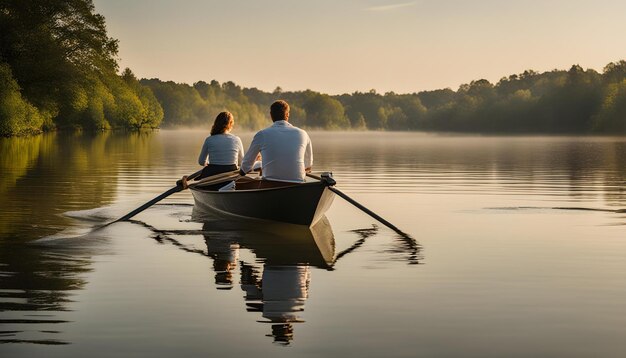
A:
(518, 251)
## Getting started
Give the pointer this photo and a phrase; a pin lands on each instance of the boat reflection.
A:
(276, 278)
(277, 283)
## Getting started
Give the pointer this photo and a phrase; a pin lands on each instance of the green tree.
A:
(17, 116)
(405, 112)
(323, 111)
(151, 112)
(51, 45)
(615, 72)
(65, 65)
(612, 115)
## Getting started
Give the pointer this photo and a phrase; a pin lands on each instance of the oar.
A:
(179, 187)
(330, 185)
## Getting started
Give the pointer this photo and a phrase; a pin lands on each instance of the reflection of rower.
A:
(251, 285)
(279, 293)
(285, 289)
(224, 253)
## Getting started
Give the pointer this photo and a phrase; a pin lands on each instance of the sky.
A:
(343, 46)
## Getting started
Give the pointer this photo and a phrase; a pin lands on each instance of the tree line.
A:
(575, 101)
(58, 69)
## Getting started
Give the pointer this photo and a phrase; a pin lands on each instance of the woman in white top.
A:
(221, 152)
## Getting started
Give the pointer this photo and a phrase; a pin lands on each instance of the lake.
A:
(517, 250)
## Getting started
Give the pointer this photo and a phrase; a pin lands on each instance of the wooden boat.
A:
(254, 198)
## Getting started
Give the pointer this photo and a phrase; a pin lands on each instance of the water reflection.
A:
(225, 253)
(405, 248)
(276, 282)
(42, 177)
(36, 288)
(45, 176)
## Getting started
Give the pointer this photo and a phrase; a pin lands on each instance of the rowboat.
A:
(258, 199)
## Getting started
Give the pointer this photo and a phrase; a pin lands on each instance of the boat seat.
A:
(251, 184)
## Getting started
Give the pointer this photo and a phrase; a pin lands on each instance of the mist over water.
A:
(519, 246)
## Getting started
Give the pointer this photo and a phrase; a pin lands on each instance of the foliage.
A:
(612, 115)
(573, 101)
(17, 116)
(64, 64)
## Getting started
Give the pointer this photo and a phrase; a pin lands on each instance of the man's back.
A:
(286, 152)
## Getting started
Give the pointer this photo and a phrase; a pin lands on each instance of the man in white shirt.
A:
(286, 151)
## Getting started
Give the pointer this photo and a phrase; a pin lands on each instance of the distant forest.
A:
(58, 69)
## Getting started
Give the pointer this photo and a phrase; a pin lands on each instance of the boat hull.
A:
(301, 204)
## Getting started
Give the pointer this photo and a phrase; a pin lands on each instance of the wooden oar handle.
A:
(214, 179)
(182, 182)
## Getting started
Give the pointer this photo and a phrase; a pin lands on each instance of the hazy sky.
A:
(342, 46)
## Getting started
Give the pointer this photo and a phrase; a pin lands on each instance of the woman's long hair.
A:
(222, 121)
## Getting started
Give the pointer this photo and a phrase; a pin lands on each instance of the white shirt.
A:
(221, 149)
(286, 151)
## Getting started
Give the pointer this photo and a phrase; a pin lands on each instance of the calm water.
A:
(519, 251)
